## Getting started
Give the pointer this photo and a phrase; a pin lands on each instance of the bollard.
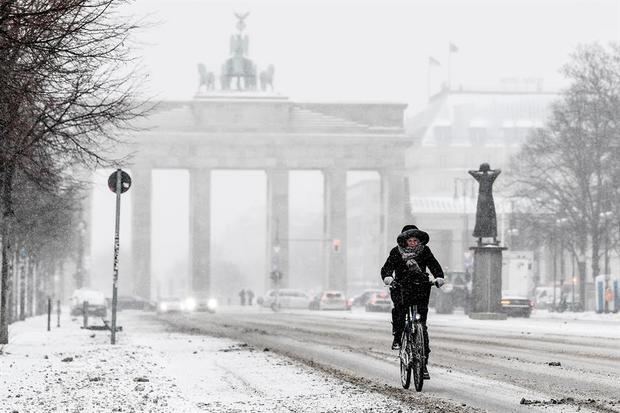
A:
(49, 314)
(85, 313)
(58, 311)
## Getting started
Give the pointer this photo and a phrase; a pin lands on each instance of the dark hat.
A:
(412, 233)
(407, 227)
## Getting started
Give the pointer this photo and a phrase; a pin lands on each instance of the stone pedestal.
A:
(487, 283)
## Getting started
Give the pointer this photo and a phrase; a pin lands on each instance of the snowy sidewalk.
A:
(153, 370)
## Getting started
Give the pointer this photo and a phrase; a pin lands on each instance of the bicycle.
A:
(412, 354)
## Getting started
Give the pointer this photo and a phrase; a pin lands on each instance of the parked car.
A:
(329, 300)
(516, 305)
(363, 298)
(454, 293)
(380, 301)
(285, 298)
(95, 300)
(132, 302)
(170, 305)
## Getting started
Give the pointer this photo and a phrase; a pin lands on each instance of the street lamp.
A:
(464, 184)
(560, 222)
(79, 270)
(605, 216)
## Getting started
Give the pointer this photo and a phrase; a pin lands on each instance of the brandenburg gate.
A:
(239, 126)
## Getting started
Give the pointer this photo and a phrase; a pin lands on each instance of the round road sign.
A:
(125, 181)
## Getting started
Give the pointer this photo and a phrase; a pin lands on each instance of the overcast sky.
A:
(372, 49)
(332, 50)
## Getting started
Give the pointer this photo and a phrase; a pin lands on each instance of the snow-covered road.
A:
(488, 365)
(158, 369)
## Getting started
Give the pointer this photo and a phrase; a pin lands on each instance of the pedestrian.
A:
(406, 263)
(242, 297)
(250, 295)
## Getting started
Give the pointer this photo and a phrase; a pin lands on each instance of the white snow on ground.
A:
(152, 370)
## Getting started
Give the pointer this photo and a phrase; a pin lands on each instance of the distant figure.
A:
(250, 295)
(486, 219)
(242, 297)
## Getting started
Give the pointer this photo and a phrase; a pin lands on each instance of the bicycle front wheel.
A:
(419, 358)
(405, 359)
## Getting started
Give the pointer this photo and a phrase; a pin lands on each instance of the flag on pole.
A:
(433, 62)
(453, 48)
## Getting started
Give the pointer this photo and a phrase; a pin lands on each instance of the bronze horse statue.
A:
(266, 78)
(206, 78)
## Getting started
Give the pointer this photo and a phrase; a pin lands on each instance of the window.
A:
(477, 135)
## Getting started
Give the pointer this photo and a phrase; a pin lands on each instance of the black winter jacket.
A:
(396, 267)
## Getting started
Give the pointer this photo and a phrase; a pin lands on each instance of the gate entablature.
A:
(275, 135)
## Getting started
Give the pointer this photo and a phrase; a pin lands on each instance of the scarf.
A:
(409, 256)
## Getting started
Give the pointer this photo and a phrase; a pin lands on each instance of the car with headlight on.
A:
(171, 305)
(200, 302)
(516, 305)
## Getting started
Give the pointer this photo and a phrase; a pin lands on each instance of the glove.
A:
(439, 282)
(388, 280)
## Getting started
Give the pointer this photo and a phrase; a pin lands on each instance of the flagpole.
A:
(449, 67)
(428, 82)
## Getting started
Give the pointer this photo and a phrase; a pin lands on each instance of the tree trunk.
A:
(7, 217)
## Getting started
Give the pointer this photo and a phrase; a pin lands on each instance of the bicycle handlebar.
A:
(396, 283)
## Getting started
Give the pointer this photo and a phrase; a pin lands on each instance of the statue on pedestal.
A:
(486, 219)
(238, 65)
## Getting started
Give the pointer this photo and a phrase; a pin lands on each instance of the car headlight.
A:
(212, 304)
(163, 307)
(190, 304)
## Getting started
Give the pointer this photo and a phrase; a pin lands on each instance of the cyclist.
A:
(408, 261)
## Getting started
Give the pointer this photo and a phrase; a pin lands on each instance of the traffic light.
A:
(336, 245)
(276, 276)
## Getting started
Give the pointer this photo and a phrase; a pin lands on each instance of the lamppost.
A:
(464, 184)
(560, 222)
(79, 270)
(605, 216)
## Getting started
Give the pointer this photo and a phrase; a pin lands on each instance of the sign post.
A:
(118, 182)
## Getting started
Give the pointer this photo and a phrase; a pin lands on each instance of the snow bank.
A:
(150, 369)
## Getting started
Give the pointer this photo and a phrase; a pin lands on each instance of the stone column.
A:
(277, 226)
(200, 229)
(335, 188)
(141, 229)
(392, 207)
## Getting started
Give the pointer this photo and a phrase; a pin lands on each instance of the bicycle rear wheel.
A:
(405, 359)
(419, 358)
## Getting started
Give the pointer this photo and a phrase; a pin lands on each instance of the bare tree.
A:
(567, 169)
(68, 87)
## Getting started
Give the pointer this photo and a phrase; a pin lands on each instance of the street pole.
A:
(555, 268)
(116, 251)
(573, 304)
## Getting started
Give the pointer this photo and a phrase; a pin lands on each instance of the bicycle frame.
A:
(412, 352)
